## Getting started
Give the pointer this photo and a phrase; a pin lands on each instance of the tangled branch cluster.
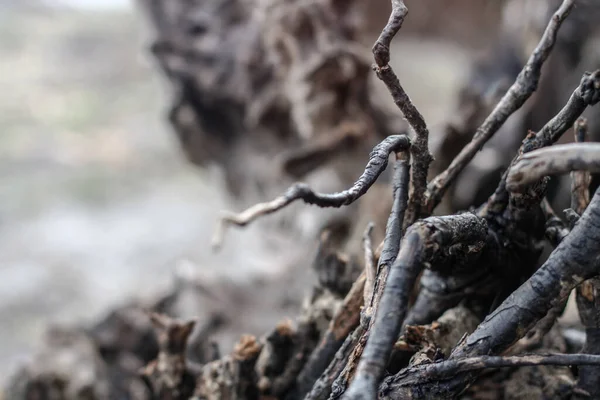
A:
(443, 299)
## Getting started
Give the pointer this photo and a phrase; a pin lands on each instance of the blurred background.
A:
(98, 203)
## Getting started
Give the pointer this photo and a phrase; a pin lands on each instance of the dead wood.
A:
(432, 310)
(524, 86)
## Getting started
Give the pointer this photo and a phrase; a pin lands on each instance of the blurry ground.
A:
(97, 205)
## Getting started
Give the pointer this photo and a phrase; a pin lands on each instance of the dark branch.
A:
(391, 246)
(524, 86)
(556, 230)
(576, 259)
(580, 180)
(378, 161)
(554, 160)
(341, 326)
(423, 243)
(421, 157)
(393, 230)
(587, 93)
(370, 266)
(449, 368)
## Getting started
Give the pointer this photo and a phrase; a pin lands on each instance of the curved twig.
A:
(389, 252)
(378, 161)
(523, 87)
(552, 161)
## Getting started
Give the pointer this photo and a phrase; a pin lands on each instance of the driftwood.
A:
(438, 307)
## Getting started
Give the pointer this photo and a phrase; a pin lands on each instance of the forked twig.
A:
(378, 160)
(554, 160)
(523, 87)
(421, 157)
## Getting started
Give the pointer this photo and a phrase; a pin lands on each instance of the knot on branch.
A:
(451, 244)
(381, 53)
(590, 87)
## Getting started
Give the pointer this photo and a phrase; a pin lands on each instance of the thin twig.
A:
(523, 87)
(389, 252)
(586, 94)
(554, 160)
(556, 230)
(378, 161)
(580, 180)
(420, 246)
(370, 267)
(421, 157)
(449, 368)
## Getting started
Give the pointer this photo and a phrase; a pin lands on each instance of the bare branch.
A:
(554, 160)
(573, 261)
(378, 161)
(424, 241)
(587, 295)
(443, 369)
(524, 86)
(556, 230)
(370, 268)
(421, 157)
(580, 180)
(586, 94)
(389, 252)
(393, 231)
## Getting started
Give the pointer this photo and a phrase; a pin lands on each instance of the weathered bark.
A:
(574, 260)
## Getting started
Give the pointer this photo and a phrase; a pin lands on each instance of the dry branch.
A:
(556, 230)
(370, 266)
(452, 239)
(378, 160)
(587, 294)
(573, 261)
(524, 86)
(389, 252)
(580, 180)
(554, 160)
(449, 368)
(586, 94)
(421, 158)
